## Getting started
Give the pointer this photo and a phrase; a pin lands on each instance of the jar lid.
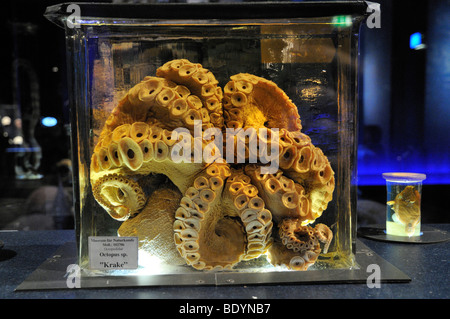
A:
(404, 177)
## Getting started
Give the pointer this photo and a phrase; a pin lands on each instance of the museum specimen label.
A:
(112, 252)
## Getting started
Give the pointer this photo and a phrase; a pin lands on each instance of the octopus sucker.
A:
(312, 170)
(121, 197)
(283, 197)
(262, 103)
(192, 200)
(200, 81)
(218, 235)
(297, 247)
(150, 155)
(241, 197)
(131, 153)
(214, 240)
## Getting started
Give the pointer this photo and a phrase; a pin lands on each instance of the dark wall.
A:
(33, 77)
(405, 93)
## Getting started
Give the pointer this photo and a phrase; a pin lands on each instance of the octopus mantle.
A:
(212, 214)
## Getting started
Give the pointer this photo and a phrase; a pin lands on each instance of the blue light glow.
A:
(49, 121)
(415, 40)
(370, 175)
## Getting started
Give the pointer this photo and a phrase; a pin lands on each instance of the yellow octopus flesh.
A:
(216, 213)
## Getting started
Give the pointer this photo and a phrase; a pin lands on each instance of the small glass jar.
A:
(404, 194)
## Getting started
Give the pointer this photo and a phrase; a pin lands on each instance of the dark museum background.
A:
(403, 116)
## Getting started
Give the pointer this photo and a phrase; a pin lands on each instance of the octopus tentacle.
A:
(219, 215)
(283, 197)
(121, 197)
(251, 101)
(309, 175)
(297, 247)
(324, 234)
(318, 179)
(142, 149)
(242, 197)
(137, 104)
(279, 255)
(162, 102)
(261, 103)
(297, 237)
(205, 238)
(200, 81)
(215, 231)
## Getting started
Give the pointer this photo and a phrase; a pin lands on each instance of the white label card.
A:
(112, 252)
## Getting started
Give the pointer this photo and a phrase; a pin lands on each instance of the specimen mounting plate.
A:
(52, 274)
(428, 235)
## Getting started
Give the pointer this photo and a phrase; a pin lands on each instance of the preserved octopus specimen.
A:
(406, 206)
(212, 214)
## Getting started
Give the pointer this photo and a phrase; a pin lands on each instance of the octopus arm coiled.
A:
(142, 149)
(221, 220)
(312, 169)
(200, 81)
(160, 102)
(297, 247)
(121, 197)
(241, 197)
(251, 101)
(256, 102)
(224, 215)
(289, 198)
(204, 237)
(137, 104)
(283, 197)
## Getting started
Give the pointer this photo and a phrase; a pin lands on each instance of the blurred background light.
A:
(6, 120)
(49, 121)
(416, 41)
(342, 21)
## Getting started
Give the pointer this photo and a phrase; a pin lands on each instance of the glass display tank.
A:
(213, 137)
